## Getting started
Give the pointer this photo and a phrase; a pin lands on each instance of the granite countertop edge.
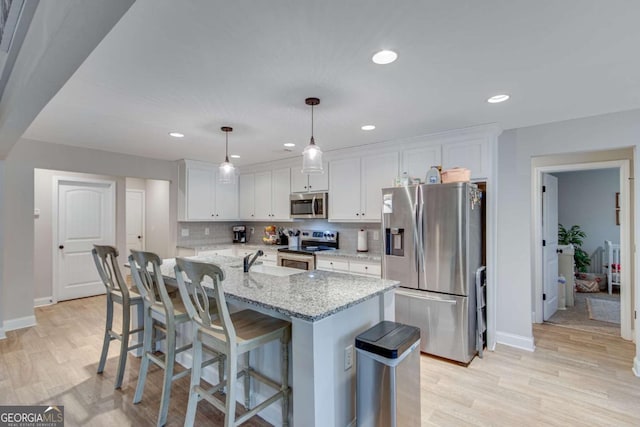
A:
(341, 253)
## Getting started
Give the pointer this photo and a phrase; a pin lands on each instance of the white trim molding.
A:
(516, 341)
(41, 302)
(636, 366)
(2, 334)
(19, 323)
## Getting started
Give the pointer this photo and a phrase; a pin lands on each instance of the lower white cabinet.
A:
(362, 268)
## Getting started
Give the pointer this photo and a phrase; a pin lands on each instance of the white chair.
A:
(234, 335)
(106, 259)
(612, 264)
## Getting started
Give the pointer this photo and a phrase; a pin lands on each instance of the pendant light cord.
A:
(226, 146)
(313, 142)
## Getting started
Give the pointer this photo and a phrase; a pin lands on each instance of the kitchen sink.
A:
(271, 270)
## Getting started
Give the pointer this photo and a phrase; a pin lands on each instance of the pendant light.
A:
(227, 174)
(312, 155)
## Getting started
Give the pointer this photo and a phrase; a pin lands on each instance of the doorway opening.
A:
(625, 243)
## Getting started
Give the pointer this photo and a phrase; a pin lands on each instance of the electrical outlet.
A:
(348, 357)
(206, 231)
(251, 230)
(185, 232)
(376, 235)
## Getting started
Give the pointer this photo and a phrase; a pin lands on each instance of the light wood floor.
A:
(573, 378)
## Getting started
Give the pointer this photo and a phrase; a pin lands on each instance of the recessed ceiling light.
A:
(235, 156)
(176, 134)
(289, 144)
(368, 127)
(498, 98)
(384, 57)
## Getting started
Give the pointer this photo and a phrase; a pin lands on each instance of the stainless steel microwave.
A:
(308, 205)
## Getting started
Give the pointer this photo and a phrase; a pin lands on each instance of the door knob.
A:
(139, 237)
(61, 247)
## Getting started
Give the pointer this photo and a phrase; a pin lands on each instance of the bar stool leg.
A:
(247, 381)
(230, 403)
(144, 364)
(122, 361)
(196, 368)
(107, 335)
(169, 360)
(284, 345)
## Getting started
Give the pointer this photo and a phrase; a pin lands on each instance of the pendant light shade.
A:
(312, 154)
(227, 172)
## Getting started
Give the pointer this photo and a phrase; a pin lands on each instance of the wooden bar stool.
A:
(233, 335)
(162, 314)
(106, 259)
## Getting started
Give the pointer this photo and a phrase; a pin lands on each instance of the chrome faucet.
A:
(248, 261)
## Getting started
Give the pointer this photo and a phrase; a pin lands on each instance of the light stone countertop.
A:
(361, 256)
(308, 295)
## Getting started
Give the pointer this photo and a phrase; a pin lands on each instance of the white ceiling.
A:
(193, 66)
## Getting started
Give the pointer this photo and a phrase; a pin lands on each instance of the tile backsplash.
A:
(220, 232)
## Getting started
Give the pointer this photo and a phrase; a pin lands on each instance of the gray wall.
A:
(18, 284)
(587, 198)
(220, 232)
(516, 150)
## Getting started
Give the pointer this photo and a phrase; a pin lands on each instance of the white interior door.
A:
(135, 220)
(85, 216)
(549, 249)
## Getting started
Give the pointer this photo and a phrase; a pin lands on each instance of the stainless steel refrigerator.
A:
(432, 245)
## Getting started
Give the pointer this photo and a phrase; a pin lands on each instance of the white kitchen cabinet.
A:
(417, 161)
(334, 265)
(473, 155)
(355, 186)
(362, 268)
(304, 183)
(264, 196)
(202, 197)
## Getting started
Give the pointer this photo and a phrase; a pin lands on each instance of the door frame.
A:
(144, 215)
(57, 180)
(623, 167)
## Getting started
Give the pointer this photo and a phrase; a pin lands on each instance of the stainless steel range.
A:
(311, 241)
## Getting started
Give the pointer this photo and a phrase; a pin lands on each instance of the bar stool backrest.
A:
(145, 269)
(196, 301)
(106, 259)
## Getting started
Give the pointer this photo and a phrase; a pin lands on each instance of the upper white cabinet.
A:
(417, 161)
(264, 196)
(303, 183)
(355, 186)
(202, 197)
(473, 155)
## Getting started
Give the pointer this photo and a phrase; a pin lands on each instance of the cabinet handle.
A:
(61, 247)
(362, 213)
(305, 186)
(251, 214)
(212, 215)
(357, 214)
(366, 268)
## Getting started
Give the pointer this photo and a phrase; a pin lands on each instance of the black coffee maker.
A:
(239, 233)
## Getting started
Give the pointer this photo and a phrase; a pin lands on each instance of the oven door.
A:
(299, 261)
(309, 205)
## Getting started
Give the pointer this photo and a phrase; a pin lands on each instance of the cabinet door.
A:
(416, 162)
(200, 193)
(247, 196)
(262, 199)
(473, 155)
(320, 181)
(344, 190)
(299, 181)
(280, 191)
(226, 206)
(378, 172)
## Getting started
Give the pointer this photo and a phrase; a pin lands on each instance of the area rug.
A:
(604, 310)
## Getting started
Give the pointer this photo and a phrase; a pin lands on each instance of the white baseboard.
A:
(517, 341)
(271, 414)
(19, 323)
(636, 366)
(2, 334)
(40, 302)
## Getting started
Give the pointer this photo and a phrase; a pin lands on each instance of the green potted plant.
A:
(575, 236)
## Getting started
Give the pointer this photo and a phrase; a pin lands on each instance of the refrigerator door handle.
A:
(414, 295)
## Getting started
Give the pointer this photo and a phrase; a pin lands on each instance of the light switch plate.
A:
(348, 357)
(206, 231)
(185, 232)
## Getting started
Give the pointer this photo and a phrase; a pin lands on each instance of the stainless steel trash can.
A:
(388, 376)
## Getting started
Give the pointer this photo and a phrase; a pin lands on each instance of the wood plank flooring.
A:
(573, 378)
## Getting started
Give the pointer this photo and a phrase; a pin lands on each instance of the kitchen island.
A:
(327, 311)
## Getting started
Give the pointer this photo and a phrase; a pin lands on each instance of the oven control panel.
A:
(319, 236)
